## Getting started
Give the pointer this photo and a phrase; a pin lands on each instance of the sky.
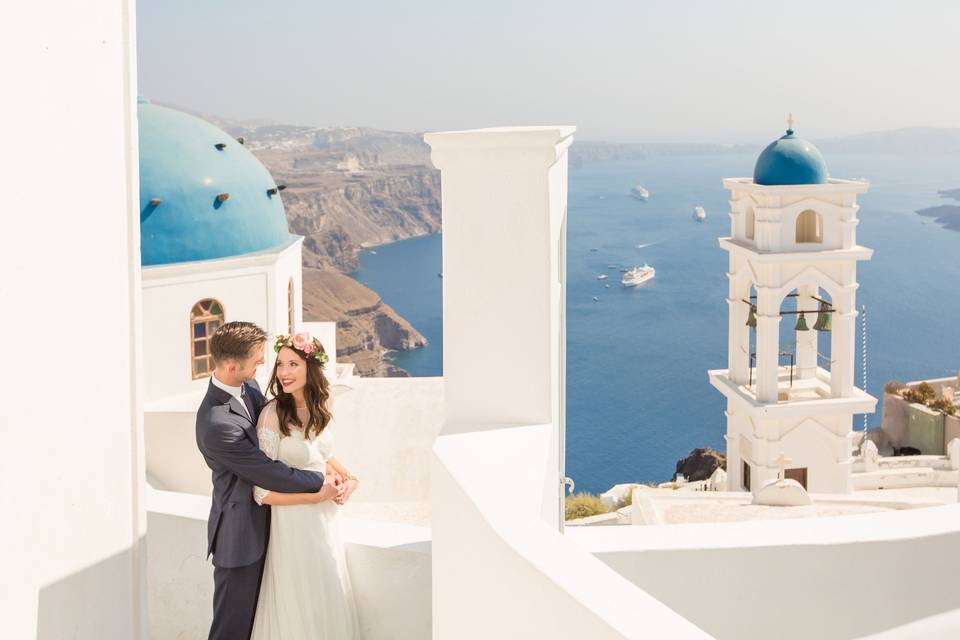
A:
(641, 71)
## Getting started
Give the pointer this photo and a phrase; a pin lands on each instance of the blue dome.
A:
(790, 160)
(184, 215)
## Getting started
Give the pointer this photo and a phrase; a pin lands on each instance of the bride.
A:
(305, 592)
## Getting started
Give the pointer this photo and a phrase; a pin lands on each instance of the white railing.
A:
(500, 571)
(793, 579)
(389, 567)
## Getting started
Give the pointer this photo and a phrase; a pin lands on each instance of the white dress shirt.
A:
(236, 392)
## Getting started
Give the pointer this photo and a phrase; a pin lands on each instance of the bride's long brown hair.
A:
(316, 392)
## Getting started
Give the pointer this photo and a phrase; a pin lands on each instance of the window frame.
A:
(201, 314)
(817, 225)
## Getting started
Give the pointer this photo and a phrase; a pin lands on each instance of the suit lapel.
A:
(249, 425)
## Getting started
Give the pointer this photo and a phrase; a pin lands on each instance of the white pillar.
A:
(768, 343)
(842, 343)
(73, 471)
(738, 333)
(504, 194)
(807, 340)
(504, 203)
(848, 225)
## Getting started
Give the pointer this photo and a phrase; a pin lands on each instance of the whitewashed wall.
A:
(826, 578)
(69, 255)
(251, 288)
(501, 567)
(389, 568)
(519, 577)
(384, 429)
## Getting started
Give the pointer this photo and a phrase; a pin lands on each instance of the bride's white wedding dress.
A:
(306, 592)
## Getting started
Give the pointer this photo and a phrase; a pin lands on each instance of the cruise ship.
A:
(639, 193)
(638, 275)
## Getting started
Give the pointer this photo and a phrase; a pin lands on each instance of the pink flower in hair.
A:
(301, 340)
(309, 348)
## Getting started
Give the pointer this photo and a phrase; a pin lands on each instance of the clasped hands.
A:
(335, 487)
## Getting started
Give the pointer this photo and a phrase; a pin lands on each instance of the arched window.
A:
(751, 223)
(809, 227)
(290, 307)
(205, 317)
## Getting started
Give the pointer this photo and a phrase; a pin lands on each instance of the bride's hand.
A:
(329, 491)
(349, 486)
(333, 475)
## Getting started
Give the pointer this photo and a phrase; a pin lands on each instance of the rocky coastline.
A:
(346, 189)
(367, 327)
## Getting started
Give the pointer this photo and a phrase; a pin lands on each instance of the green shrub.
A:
(627, 499)
(894, 386)
(923, 394)
(944, 405)
(582, 505)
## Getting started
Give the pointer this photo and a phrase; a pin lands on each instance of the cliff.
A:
(367, 327)
(349, 188)
(340, 213)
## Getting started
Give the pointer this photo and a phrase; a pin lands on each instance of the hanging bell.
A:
(801, 323)
(752, 318)
(824, 322)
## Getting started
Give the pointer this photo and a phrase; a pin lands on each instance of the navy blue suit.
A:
(238, 528)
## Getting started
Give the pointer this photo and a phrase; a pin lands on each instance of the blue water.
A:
(405, 274)
(637, 391)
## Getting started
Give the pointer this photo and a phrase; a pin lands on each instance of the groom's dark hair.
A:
(235, 340)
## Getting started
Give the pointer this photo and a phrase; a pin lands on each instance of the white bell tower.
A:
(789, 380)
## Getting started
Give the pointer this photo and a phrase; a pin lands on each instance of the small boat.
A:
(594, 249)
(372, 252)
(699, 214)
(602, 276)
(638, 275)
(596, 299)
(639, 193)
(606, 286)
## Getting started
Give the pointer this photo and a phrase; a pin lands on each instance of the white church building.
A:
(214, 247)
(793, 258)
(114, 272)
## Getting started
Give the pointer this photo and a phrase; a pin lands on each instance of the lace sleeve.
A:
(268, 433)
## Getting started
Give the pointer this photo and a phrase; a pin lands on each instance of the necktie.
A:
(248, 403)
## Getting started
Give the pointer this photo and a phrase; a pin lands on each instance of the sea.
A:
(638, 398)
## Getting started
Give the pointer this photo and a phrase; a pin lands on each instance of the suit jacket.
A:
(238, 527)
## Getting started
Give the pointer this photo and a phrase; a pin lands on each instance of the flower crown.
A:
(302, 342)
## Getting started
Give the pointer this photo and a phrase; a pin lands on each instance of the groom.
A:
(238, 528)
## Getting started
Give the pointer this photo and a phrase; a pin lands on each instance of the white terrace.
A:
(93, 553)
